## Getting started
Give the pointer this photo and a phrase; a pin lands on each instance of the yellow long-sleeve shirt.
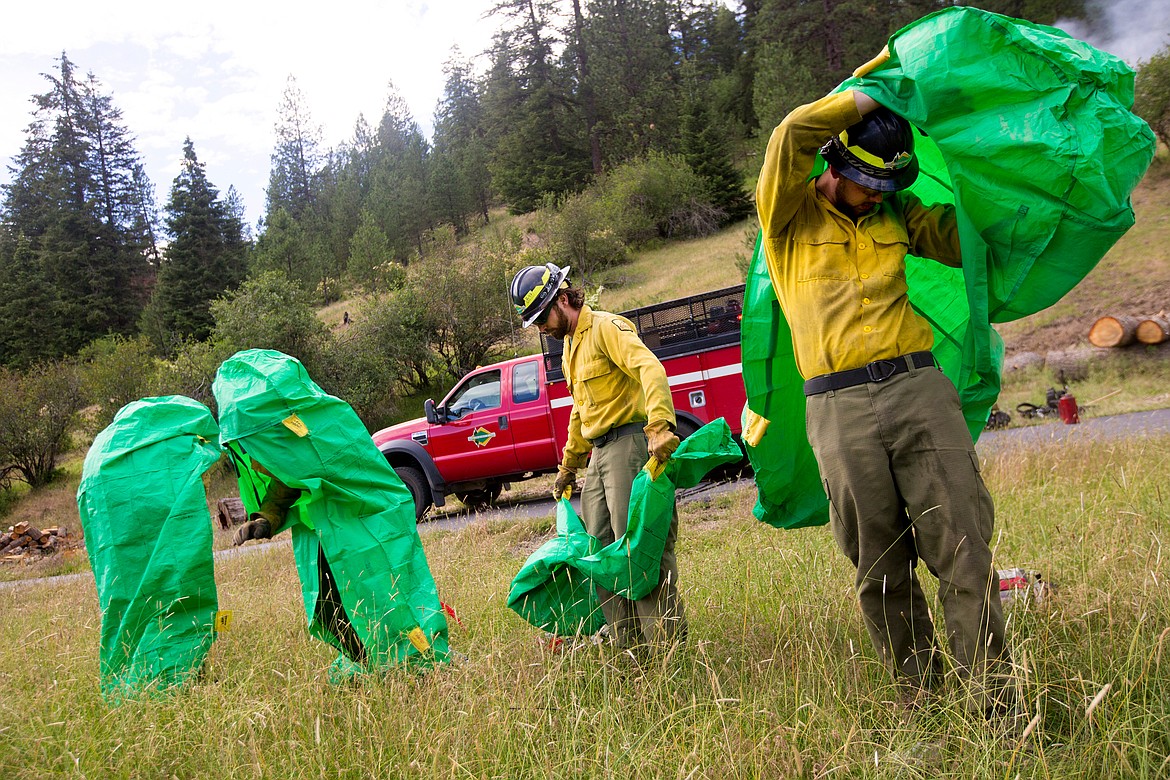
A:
(842, 284)
(614, 379)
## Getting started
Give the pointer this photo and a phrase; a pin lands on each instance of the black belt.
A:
(877, 371)
(616, 432)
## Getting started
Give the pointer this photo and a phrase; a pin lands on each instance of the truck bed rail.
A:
(679, 327)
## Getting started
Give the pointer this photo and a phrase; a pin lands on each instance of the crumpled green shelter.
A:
(556, 588)
(367, 587)
(630, 565)
(549, 591)
(148, 535)
(1030, 133)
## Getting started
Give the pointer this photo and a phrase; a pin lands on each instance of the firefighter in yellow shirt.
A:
(622, 412)
(895, 456)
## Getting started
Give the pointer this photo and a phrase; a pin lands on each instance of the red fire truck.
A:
(508, 422)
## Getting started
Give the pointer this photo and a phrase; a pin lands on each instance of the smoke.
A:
(1134, 30)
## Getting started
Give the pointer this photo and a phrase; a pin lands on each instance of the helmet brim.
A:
(901, 179)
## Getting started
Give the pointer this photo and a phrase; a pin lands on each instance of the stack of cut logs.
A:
(24, 539)
(1123, 330)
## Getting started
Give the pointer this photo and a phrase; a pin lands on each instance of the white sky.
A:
(216, 70)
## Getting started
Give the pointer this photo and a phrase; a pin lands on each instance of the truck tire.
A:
(420, 491)
(684, 428)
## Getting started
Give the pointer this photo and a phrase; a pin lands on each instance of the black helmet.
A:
(534, 288)
(877, 152)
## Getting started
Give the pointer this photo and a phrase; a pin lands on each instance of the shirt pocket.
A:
(890, 244)
(821, 253)
(592, 381)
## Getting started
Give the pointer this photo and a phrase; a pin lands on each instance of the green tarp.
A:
(367, 587)
(148, 535)
(555, 589)
(1029, 133)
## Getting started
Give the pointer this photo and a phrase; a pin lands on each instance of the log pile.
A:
(230, 512)
(24, 540)
(1125, 329)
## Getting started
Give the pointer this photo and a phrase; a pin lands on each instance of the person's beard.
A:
(558, 331)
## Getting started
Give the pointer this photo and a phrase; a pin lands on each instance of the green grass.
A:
(777, 679)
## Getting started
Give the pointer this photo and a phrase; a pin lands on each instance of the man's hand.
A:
(661, 443)
(565, 478)
(253, 529)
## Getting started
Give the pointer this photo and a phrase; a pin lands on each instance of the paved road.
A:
(1136, 424)
(1152, 423)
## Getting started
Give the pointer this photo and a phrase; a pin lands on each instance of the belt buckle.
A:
(881, 370)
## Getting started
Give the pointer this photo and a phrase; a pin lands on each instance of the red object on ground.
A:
(447, 608)
(1067, 406)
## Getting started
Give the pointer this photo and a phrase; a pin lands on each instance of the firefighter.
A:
(622, 411)
(896, 459)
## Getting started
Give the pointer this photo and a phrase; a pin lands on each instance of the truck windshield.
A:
(481, 391)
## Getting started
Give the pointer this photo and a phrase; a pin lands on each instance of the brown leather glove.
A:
(257, 528)
(565, 478)
(661, 443)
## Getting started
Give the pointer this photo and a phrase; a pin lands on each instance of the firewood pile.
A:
(24, 540)
(1125, 329)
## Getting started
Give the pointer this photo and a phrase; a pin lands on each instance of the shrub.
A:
(269, 312)
(579, 235)
(38, 408)
(115, 371)
(655, 197)
(1152, 93)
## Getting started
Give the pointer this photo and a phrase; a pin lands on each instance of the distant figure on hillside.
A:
(345, 319)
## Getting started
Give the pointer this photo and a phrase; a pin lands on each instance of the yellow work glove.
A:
(256, 528)
(661, 442)
(566, 478)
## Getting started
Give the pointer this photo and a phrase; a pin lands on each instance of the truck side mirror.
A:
(429, 411)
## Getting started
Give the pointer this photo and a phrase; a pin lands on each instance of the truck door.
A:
(535, 444)
(476, 441)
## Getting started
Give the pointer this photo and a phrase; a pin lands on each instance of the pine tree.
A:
(77, 197)
(708, 152)
(538, 143)
(460, 181)
(296, 158)
(201, 261)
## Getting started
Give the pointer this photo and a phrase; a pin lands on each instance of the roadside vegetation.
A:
(777, 678)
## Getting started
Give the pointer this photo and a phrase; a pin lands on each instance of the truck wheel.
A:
(420, 491)
(476, 500)
(684, 428)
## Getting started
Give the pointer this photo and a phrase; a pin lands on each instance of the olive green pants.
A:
(658, 617)
(903, 482)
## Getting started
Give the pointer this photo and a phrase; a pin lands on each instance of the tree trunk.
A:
(1113, 331)
(1153, 330)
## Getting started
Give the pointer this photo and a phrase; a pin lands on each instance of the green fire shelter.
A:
(147, 528)
(367, 587)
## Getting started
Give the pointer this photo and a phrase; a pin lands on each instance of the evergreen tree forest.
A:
(578, 109)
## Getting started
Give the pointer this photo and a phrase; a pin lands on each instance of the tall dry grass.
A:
(777, 678)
